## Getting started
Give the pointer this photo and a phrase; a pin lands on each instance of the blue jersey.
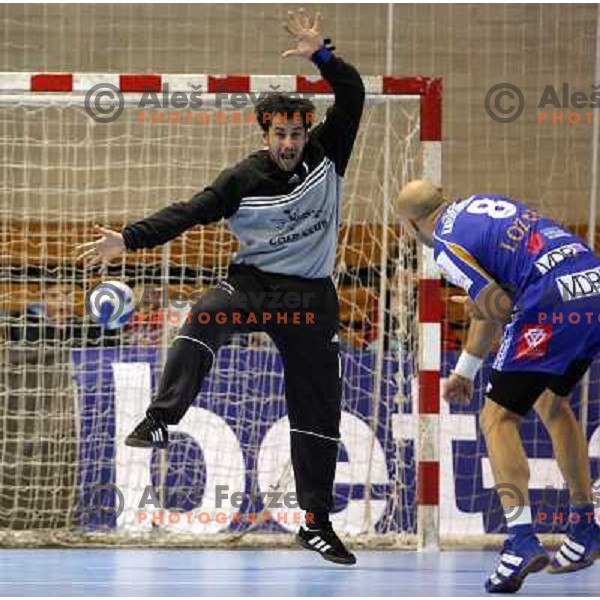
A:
(485, 239)
(552, 276)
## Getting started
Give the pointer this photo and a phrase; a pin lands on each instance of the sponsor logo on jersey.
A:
(554, 233)
(292, 217)
(519, 230)
(584, 284)
(533, 341)
(535, 243)
(553, 258)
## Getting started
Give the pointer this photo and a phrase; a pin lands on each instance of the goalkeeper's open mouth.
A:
(288, 159)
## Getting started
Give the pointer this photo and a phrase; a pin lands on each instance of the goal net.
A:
(70, 391)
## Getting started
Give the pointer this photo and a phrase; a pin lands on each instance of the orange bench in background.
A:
(51, 245)
(34, 244)
(43, 244)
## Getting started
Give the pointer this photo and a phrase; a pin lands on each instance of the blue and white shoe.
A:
(519, 558)
(578, 551)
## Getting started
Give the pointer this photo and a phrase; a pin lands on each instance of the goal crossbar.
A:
(57, 88)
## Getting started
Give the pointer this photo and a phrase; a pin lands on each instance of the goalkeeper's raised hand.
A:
(307, 35)
(110, 246)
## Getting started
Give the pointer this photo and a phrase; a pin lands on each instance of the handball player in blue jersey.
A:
(538, 285)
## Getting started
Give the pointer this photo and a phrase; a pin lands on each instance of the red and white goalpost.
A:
(65, 172)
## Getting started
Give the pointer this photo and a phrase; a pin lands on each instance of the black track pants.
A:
(252, 300)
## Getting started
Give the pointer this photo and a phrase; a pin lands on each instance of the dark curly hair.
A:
(300, 110)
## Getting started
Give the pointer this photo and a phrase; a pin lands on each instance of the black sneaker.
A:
(150, 433)
(327, 543)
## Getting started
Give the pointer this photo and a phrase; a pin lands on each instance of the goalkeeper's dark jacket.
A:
(286, 221)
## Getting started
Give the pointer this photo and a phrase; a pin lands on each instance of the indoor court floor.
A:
(206, 572)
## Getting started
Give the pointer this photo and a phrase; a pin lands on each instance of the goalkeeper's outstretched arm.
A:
(217, 201)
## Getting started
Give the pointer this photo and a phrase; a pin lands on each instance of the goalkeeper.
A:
(540, 284)
(283, 204)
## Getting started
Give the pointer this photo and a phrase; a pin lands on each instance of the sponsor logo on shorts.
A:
(533, 341)
(553, 258)
(584, 284)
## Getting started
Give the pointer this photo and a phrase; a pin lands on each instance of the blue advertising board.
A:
(246, 391)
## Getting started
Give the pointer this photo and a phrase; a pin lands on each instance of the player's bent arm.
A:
(494, 304)
(489, 312)
(481, 337)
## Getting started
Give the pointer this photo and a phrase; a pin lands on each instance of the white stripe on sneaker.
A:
(315, 540)
(504, 570)
(560, 559)
(511, 559)
(226, 287)
(568, 553)
(574, 546)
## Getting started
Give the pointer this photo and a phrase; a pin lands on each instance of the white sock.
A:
(517, 515)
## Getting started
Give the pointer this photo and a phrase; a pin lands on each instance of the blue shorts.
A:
(557, 322)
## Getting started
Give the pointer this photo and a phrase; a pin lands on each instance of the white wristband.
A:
(468, 365)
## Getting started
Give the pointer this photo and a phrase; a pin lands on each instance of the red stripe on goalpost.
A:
(52, 82)
(431, 111)
(430, 91)
(140, 83)
(404, 86)
(427, 449)
(228, 84)
(428, 483)
(308, 85)
(431, 308)
(429, 392)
